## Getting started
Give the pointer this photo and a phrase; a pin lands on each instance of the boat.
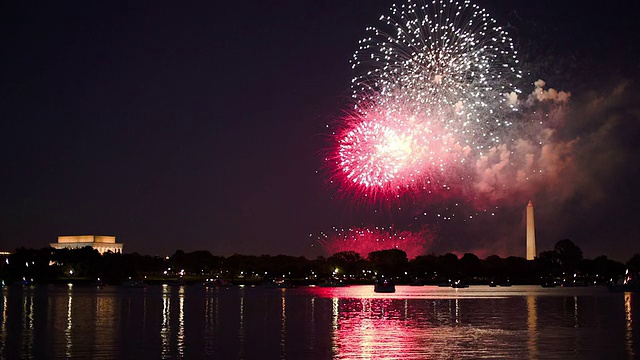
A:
(492, 284)
(459, 285)
(384, 286)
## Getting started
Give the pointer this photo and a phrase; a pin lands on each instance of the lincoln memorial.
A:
(101, 243)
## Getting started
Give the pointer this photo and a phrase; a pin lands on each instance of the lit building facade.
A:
(101, 243)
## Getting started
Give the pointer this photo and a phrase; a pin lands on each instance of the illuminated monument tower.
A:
(531, 233)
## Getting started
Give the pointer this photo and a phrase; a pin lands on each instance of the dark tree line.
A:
(565, 263)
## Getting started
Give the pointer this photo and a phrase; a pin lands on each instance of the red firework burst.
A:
(383, 153)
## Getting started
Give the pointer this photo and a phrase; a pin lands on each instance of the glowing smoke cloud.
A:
(533, 159)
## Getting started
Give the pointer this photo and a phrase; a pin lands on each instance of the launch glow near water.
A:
(365, 240)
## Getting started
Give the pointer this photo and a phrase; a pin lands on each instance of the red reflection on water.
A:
(369, 326)
(379, 331)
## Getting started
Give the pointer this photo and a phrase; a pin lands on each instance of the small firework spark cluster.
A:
(434, 89)
(363, 241)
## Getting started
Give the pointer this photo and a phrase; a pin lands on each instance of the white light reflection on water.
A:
(172, 336)
(312, 324)
(27, 321)
(457, 317)
(211, 322)
(334, 324)
(241, 333)
(180, 337)
(3, 324)
(68, 331)
(165, 332)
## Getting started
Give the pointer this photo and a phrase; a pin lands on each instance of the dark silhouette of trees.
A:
(237, 264)
(117, 268)
(602, 268)
(470, 265)
(83, 263)
(634, 264)
(178, 260)
(564, 263)
(550, 264)
(449, 267)
(494, 266)
(27, 264)
(520, 269)
(425, 266)
(569, 255)
(391, 262)
(288, 266)
(196, 262)
(349, 262)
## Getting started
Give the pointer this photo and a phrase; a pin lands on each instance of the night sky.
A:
(202, 126)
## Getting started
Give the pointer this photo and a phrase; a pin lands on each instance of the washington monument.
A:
(531, 233)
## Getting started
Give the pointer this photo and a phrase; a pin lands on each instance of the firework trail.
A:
(364, 241)
(434, 90)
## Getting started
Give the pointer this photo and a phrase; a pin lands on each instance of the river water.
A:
(415, 322)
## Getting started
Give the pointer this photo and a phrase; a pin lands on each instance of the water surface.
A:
(415, 322)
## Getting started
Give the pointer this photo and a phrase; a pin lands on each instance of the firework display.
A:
(364, 240)
(382, 152)
(434, 89)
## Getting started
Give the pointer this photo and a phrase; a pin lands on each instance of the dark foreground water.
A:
(194, 322)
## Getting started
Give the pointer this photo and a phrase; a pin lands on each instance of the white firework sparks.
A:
(446, 60)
